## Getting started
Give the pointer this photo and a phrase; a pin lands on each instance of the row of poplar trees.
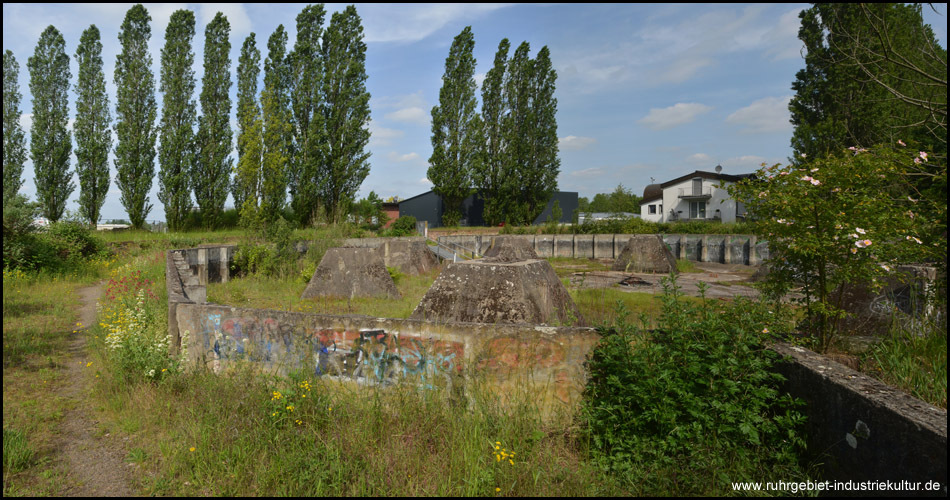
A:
(508, 152)
(307, 133)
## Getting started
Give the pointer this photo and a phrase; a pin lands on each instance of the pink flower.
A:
(901, 142)
(923, 155)
(862, 243)
(917, 161)
(815, 182)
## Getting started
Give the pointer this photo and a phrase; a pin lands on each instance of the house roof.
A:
(652, 193)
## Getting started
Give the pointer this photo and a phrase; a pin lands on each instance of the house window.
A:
(652, 209)
(697, 210)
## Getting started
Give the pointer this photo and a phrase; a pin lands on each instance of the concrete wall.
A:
(893, 436)
(863, 430)
(725, 249)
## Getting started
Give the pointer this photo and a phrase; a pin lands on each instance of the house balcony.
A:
(695, 194)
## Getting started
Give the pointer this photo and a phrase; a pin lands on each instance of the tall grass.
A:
(914, 360)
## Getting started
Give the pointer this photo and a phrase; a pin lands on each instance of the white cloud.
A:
(393, 156)
(741, 164)
(587, 172)
(414, 115)
(784, 37)
(417, 21)
(237, 17)
(699, 158)
(382, 136)
(26, 122)
(409, 108)
(574, 143)
(425, 181)
(769, 114)
(673, 116)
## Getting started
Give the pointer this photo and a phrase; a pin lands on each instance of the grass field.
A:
(196, 433)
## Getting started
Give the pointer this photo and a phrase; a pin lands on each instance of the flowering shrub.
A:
(136, 338)
(845, 219)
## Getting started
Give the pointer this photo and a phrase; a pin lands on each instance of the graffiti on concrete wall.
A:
(365, 356)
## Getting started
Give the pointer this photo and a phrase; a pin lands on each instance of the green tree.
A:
(247, 177)
(843, 219)
(176, 152)
(276, 127)
(212, 170)
(309, 144)
(50, 142)
(530, 161)
(136, 111)
(620, 200)
(873, 75)
(92, 127)
(456, 130)
(489, 175)
(345, 111)
(14, 140)
(541, 166)
(516, 127)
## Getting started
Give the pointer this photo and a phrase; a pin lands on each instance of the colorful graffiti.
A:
(365, 356)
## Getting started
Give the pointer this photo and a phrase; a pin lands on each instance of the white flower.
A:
(862, 243)
(859, 230)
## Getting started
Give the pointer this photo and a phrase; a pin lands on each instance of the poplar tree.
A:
(489, 174)
(14, 140)
(176, 153)
(541, 165)
(136, 111)
(303, 168)
(276, 127)
(346, 112)
(50, 142)
(93, 134)
(211, 177)
(456, 130)
(247, 177)
(516, 132)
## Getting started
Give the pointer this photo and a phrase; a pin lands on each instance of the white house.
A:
(696, 196)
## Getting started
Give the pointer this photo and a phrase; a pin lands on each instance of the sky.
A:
(645, 93)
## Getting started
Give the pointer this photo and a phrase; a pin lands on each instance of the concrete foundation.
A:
(645, 253)
(479, 291)
(507, 249)
(351, 272)
(858, 428)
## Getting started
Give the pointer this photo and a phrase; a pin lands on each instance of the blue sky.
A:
(644, 91)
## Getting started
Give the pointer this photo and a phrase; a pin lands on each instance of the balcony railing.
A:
(704, 193)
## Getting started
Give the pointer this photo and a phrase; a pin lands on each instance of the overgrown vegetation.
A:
(913, 358)
(692, 406)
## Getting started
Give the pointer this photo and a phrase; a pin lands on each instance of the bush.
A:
(403, 226)
(698, 392)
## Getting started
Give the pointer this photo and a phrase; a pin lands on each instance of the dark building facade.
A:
(428, 207)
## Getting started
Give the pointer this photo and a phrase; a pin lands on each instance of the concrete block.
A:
(479, 291)
(351, 272)
(645, 253)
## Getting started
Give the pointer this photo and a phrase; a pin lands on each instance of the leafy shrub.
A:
(403, 226)
(698, 393)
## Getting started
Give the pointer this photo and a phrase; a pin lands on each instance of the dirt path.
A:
(95, 464)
